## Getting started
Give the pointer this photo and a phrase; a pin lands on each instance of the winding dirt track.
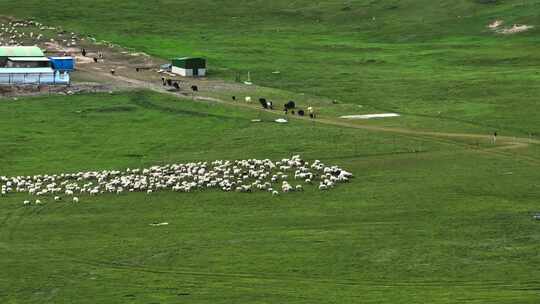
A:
(504, 143)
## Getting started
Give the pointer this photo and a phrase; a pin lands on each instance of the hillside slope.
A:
(436, 61)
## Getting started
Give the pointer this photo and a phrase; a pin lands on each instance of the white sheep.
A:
(243, 175)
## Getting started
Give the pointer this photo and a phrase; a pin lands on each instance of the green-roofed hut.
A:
(189, 66)
(20, 53)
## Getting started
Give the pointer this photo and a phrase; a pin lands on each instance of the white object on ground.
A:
(159, 224)
(516, 28)
(281, 120)
(370, 116)
(256, 120)
(495, 24)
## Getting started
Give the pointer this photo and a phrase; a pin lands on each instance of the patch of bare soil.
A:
(105, 62)
(35, 90)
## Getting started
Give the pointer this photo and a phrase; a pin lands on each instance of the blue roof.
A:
(63, 63)
(61, 58)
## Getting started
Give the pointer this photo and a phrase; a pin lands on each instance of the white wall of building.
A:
(51, 77)
(187, 72)
(182, 72)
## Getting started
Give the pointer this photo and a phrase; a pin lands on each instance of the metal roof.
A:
(61, 58)
(28, 59)
(20, 51)
(186, 58)
(25, 70)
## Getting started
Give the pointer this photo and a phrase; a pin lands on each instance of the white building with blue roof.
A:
(28, 65)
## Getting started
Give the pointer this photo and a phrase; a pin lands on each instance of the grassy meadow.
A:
(449, 224)
(427, 219)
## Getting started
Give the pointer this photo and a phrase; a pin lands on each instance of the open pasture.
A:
(449, 223)
(435, 213)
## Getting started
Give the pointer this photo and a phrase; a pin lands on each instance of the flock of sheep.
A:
(17, 33)
(287, 175)
(14, 32)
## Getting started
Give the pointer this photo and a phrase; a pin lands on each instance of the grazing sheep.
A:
(244, 176)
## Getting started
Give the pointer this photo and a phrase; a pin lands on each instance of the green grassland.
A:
(426, 219)
(434, 61)
(449, 224)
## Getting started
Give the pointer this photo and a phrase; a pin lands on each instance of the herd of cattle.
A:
(287, 175)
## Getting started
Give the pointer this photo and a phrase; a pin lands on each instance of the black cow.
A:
(263, 103)
(301, 113)
(194, 88)
(176, 86)
(290, 105)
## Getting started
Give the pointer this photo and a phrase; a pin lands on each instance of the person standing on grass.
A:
(494, 138)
